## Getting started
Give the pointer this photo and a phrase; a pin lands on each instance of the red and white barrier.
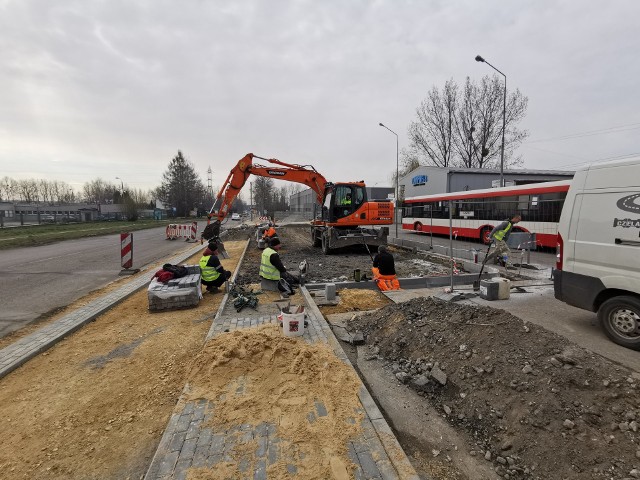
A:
(186, 231)
(126, 250)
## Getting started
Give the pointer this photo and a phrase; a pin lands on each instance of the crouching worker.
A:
(212, 274)
(269, 233)
(273, 274)
(384, 270)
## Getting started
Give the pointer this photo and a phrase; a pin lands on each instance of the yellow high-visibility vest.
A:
(267, 270)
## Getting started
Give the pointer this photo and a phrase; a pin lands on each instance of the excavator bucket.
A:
(223, 253)
(211, 233)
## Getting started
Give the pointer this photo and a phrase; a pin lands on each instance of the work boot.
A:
(213, 289)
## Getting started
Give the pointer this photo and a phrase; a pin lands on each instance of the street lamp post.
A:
(121, 185)
(395, 219)
(504, 116)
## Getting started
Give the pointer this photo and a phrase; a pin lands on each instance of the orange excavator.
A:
(346, 216)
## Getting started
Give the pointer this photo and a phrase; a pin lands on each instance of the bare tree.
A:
(432, 133)
(98, 191)
(466, 130)
(28, 191)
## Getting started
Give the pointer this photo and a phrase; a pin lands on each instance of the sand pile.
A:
(303, 391)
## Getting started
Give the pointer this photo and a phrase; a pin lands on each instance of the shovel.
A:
(476, 283)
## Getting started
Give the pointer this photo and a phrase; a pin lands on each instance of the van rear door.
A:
(607, 235)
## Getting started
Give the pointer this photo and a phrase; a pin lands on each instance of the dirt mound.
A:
(529, 401)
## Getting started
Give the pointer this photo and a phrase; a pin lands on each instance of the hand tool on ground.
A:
(476, 283)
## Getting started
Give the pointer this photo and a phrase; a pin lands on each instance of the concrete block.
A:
(330, 291)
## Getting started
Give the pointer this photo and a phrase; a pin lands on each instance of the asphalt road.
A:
(37, 280)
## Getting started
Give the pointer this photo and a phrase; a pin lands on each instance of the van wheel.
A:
(620, 319)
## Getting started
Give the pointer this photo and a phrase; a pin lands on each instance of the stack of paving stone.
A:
(176, 293)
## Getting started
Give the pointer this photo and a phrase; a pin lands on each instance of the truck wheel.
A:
(620, 319)
(325, 245)
(316, 241)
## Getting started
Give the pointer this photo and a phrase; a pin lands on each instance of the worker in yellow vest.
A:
(212, 273)
(273, 274)
(499, 236)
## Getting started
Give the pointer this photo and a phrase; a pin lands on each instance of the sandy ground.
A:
(95, 405)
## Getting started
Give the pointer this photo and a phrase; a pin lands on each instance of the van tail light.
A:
(559, 252)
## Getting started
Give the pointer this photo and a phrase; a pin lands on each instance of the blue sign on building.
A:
(419, 180)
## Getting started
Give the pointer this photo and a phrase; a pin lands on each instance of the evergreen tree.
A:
(181, 187)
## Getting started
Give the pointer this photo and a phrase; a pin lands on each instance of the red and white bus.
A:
(476, 212)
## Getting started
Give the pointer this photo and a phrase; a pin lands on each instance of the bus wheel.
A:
(417, 227)
(484, 235)
(620, 319)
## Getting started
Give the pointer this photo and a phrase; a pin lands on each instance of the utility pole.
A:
(251, 201)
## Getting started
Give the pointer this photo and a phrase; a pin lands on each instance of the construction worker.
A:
(346, 200)
(269, 232)
(272, 270)
(384, 270)
(499, 236)
(212, 273)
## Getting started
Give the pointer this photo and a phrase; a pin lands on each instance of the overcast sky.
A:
(114, 88)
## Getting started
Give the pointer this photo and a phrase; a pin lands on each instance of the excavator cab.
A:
(341, 200)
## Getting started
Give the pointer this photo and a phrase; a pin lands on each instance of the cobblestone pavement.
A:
(187, 443)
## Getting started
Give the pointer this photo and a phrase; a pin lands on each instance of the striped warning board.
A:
(126, 250)
(186, 231)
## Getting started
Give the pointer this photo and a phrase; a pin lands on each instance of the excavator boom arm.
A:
(239, 175)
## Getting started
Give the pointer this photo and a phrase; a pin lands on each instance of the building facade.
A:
(426, 180)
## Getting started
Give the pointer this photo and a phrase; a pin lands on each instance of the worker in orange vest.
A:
(384, 270)
(269, 233)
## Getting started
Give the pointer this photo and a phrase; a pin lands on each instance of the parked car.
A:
(598, 264)
(47, 219)
(235, 216)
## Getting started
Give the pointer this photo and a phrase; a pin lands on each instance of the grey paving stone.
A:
(183, 423)
(188, 449)
(369, 467)
(204, 439)
(260, 470)
(180, 471)
(168, 463)
(273, 450)
(321, 409)
(217, 444)
(193, 431)
(177, 439)
(200, 456)
(262, 442)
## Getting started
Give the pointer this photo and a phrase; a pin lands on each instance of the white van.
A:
(598, 264)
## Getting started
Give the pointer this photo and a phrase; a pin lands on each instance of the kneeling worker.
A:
(273, 274)
(269, 233)
(384, 270)
(212, 273)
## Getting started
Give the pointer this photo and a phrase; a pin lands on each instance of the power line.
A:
(617, 157)
(604, 131)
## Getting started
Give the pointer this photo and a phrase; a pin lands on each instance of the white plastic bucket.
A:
(293, 324)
